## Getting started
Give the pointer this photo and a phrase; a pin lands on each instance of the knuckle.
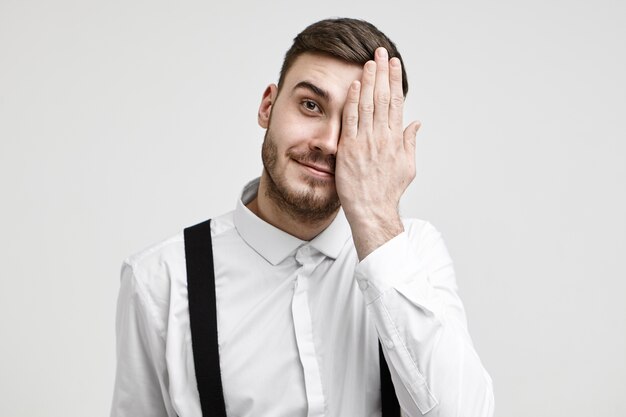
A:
(396, 75)
(382, 99)
(397, 101)
(366, 107)
(351, 119)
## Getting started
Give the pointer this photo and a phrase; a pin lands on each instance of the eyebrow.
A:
(320, 92)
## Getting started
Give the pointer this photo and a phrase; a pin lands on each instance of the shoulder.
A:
(170, 251)
(421, 231)
(160, 268)
(425, 240)
(150, 274)
(427, 243)
(157, 257)
(155, 253)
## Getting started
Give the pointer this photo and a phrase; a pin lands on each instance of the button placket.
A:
(304, 333)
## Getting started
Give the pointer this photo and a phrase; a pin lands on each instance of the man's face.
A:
(303, 125)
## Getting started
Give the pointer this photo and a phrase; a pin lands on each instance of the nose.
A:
(326, 137)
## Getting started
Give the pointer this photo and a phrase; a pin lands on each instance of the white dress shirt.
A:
(299, 324)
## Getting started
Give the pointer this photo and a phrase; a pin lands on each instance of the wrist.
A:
(373, 229)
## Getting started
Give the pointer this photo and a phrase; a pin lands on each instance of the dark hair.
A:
(350, 40)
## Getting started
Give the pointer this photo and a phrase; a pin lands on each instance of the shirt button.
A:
(363, 284)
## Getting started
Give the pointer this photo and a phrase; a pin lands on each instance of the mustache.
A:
(315, 158)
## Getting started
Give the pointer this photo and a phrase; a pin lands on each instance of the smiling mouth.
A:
(317, 169)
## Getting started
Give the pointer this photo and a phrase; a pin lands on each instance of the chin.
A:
(318, 185)
(307, 199)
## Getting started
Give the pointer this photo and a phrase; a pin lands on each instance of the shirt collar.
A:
(275, 245)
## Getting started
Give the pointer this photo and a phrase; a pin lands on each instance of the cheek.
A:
(290, 132)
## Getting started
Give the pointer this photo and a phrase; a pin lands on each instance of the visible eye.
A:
(311, 106)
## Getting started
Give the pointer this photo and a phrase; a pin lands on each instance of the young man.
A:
(314, 269)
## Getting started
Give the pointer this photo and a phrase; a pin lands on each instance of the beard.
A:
(306, 206)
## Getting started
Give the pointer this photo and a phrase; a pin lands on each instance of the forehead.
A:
(326, 72)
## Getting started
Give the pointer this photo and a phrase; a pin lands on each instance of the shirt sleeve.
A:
(141, 377)
(410, 289)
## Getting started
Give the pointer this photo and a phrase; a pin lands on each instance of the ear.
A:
(265, 108)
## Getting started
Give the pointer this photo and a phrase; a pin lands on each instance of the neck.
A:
(267, 210)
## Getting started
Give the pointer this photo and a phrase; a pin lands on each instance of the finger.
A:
(381, 89)
(350, 116)
(396, 104)
(410, 134)
(366, 99)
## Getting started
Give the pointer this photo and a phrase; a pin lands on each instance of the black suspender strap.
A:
(389, 401)
(203, 323)
(203, 318)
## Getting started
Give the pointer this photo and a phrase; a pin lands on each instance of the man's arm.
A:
(406, 275)
(410, 290)
(140, 386)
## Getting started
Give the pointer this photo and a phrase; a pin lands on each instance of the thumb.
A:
(410, 134)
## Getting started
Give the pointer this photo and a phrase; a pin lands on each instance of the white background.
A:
(122, 122)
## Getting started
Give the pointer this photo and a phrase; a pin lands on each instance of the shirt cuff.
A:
(394, 266)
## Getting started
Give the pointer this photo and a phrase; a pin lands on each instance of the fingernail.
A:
(382, 53)
(394, 62)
